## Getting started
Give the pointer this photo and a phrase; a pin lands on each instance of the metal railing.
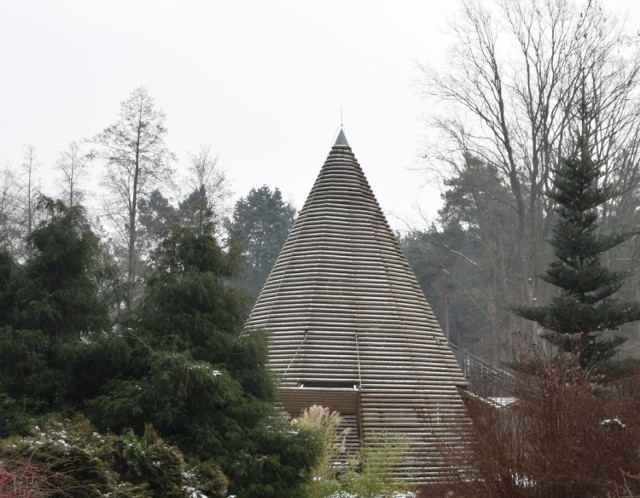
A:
(485, 379)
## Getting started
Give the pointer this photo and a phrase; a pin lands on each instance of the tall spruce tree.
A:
(577, 318)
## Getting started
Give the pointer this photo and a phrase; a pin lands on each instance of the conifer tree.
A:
(261, 221)
(178, 363)
(189, 372)
(578, 316)
(50, 306)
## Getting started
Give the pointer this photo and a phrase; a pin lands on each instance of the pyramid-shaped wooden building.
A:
(350, 329)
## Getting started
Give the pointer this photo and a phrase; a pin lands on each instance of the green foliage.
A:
(28, 375)
(584, 308)
(7, 268)
(477, 200)
(175, 368)
(190, 373)
(261, 221)
(377, 461)
(52, 304)
(195, 211)
(58, 290)
(150, 461)
(68, 457)
(156, 217)
(205, 478)
(275, 460)
(370, 474)
(15, 419)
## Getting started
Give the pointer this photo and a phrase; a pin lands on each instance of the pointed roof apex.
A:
(341, 140)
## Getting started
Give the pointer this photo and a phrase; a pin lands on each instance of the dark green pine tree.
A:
(183, 365)
(261, 222)
(579, 315)
(50, 306)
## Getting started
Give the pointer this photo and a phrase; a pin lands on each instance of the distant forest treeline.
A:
(140, 198)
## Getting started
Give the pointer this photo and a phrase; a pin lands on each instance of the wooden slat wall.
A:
(343, 278)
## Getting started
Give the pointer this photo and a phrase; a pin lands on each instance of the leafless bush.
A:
(566, 435)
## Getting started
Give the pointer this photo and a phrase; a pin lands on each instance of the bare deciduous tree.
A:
(73, 163)
(515, 72)
(29, 167)
(137, 162)
(210, 183)
(10, 233)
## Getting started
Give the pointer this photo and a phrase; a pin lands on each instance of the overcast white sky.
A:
(263, 82)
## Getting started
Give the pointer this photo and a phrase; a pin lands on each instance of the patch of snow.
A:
(63, 443)
(193, 492)
(344, 494)
(613, 422)
(501, 401)
(522, 481)
(206, 368)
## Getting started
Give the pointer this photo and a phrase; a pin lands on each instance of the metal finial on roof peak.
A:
(342, 139)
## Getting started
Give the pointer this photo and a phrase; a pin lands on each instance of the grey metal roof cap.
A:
(341, 140)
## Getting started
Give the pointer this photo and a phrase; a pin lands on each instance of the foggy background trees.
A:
(261, 223)
(580, 317)
(504, 110)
